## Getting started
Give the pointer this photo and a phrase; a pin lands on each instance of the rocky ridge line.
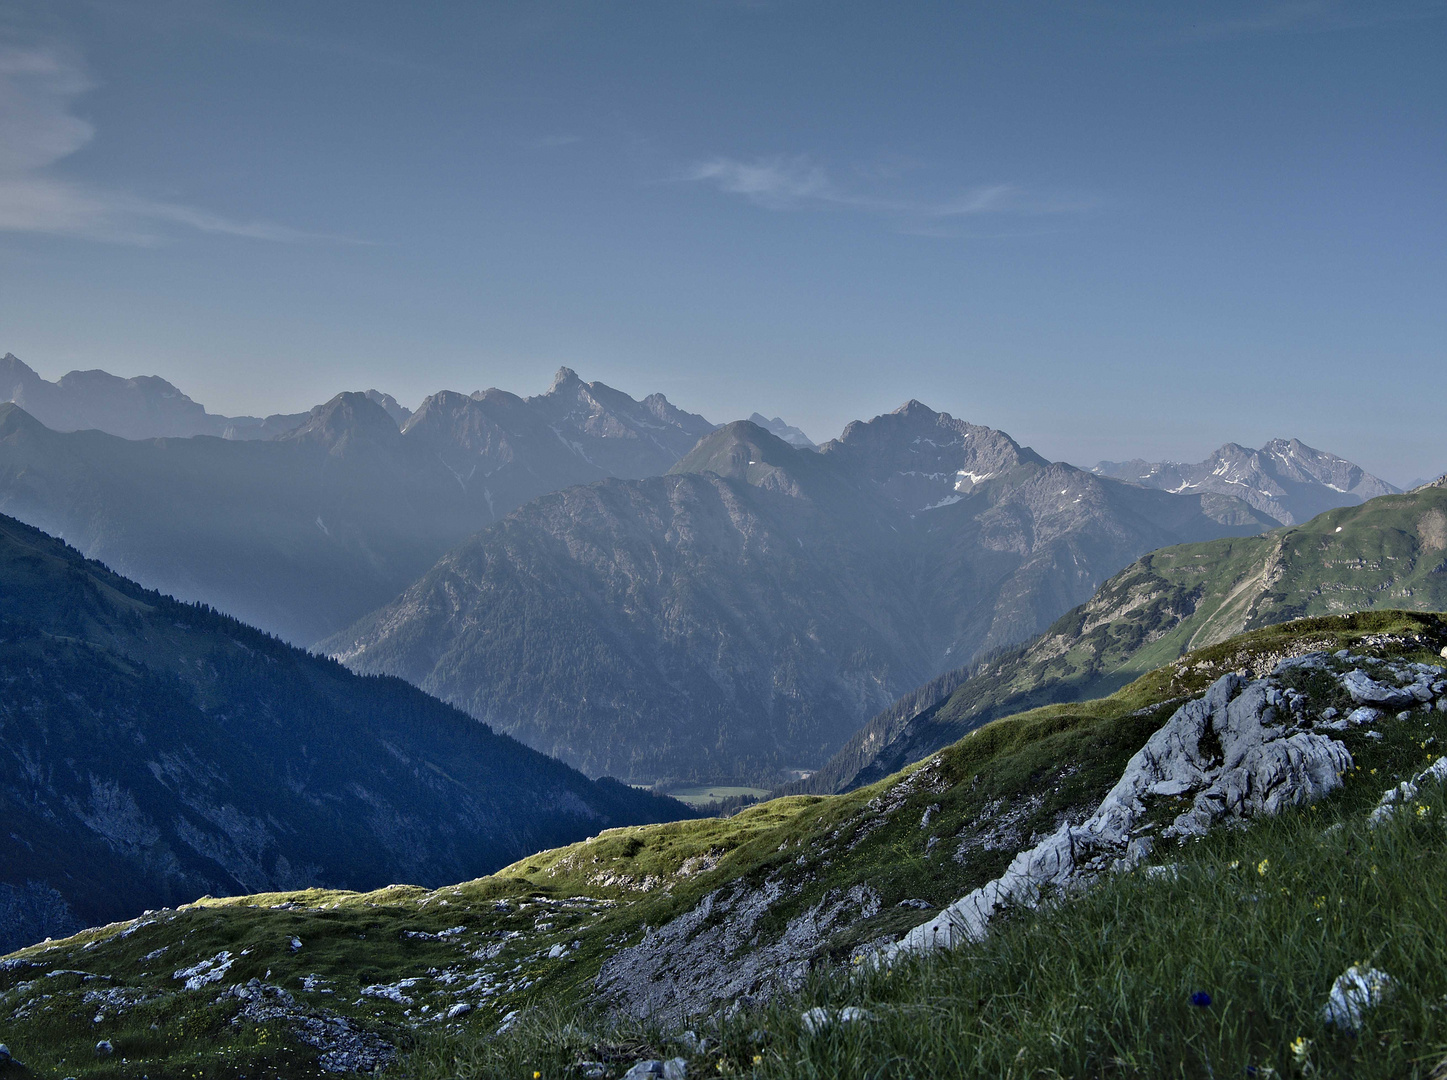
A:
(1271, 756)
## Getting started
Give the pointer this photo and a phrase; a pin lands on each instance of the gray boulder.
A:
(1227, 746)
(1365, 690)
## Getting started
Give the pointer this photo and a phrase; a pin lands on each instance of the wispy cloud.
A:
(798, 183)
(38, 88)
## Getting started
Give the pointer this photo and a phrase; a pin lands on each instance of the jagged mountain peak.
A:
(915, 408)
(741, 450)
(564, 377)
(397, 411)
(350, 417)
(1285, 478)
(140, 407)
(925, 460)
(13, 366)
(790, 434)
(14, 420)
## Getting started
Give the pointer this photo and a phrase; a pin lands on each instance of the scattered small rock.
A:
(815, 1020)
(460, 1009)
(1407, 789)
(818, 1018)
(104, 1048)
(1355, 991)
(1365, 690)
(641, 1069)
(295, 945)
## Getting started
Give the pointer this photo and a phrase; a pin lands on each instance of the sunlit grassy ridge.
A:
(536, 933)
(1389, 554)
(1262, 920)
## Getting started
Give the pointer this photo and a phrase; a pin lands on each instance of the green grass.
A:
(598, 895)
(1099, 985)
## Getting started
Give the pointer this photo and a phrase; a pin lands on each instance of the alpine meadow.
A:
(759, 540)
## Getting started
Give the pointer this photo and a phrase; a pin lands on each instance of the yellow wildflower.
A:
(1263, 866)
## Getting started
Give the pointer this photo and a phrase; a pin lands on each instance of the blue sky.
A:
(1110, 229)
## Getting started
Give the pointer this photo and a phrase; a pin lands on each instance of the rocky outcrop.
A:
(711, 955)
(1243, 749)
(343, 1046)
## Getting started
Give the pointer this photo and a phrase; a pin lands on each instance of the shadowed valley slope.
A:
(153, 751)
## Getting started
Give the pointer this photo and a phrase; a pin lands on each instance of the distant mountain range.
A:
(791, 435)
(153, 751)
(745, 613)
(146, 407)
(1390, 552)
(1286, 479)
(303, 533)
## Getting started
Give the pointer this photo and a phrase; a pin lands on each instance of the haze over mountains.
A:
(303, 533)
(1388, 552)
(1286, 479)
(745, 613)
(790, 434)
(736, 618)
(152, 752)
(145, 407)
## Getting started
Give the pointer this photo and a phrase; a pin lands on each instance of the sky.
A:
(1113, 230)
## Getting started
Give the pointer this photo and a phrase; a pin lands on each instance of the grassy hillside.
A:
(536, 934)
(1390, 552)
(1261, 921)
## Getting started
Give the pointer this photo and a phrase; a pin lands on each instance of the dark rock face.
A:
(745, 613)
(152, 752)
(304, 533)
(1286, 479)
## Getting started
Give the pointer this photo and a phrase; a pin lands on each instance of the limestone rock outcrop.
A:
(1247, 747)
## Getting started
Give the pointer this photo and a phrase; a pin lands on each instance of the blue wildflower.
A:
(1201, 999)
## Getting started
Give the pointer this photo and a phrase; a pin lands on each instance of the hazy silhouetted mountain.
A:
(790, 434)
(155, 751)
(1285, 478)
(745, 613)
(145, 407)
(304, 533)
